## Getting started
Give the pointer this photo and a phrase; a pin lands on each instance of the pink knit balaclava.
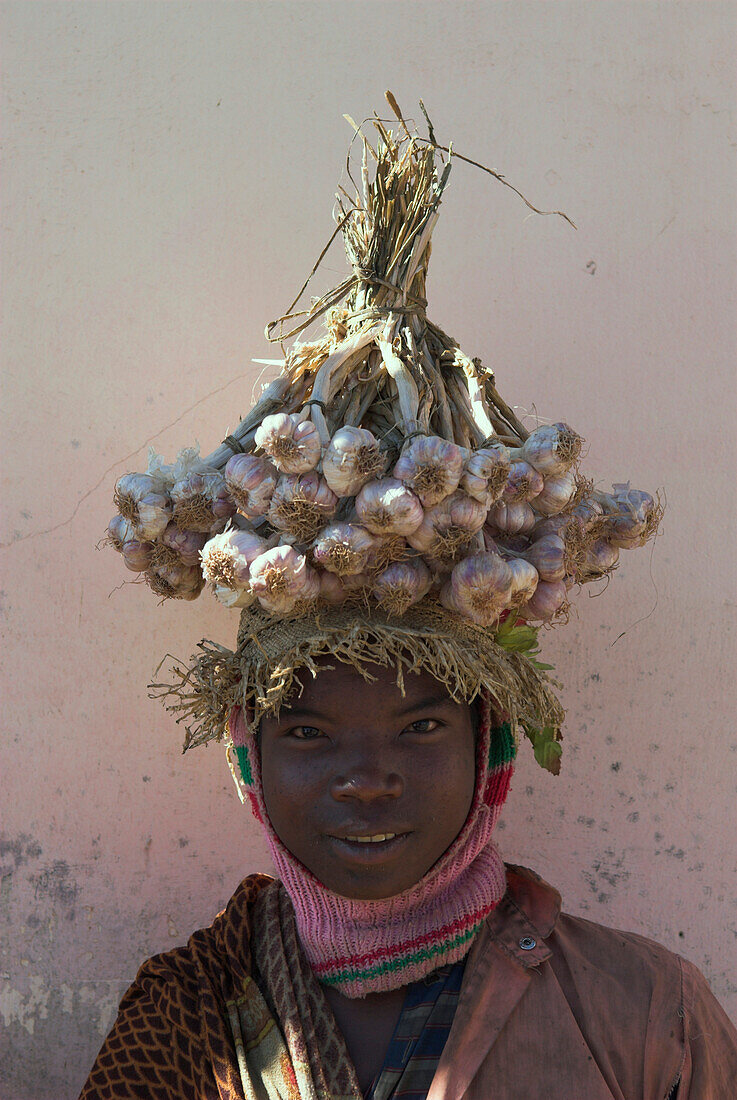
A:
(361, 947)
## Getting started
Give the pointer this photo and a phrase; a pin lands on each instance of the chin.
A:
(368, 890)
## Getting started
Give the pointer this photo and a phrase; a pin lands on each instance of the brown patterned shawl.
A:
(211, 1021)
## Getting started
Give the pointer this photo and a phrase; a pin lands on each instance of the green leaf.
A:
(546, 746)
(520, 639)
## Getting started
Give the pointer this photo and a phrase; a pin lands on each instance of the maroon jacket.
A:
(554, 1007)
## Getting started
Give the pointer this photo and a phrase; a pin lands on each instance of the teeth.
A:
(372, 839)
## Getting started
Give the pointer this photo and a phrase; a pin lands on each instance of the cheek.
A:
(277, 790)
(445, 785)
(462, 779)
(463, 787)
(290, 792)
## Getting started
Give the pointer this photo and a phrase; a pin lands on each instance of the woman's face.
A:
(365, 786)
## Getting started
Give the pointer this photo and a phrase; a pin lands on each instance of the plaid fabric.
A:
(420, 1035)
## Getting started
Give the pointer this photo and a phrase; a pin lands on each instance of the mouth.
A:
(368, 848)
(375, 838)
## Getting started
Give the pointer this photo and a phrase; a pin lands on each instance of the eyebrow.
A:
(426, 704)
(290, 713)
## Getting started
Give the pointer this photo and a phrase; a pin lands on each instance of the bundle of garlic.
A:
(382, 464)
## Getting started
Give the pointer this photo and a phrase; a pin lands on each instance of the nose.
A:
(366, 782)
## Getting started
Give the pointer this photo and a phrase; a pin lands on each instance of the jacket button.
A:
(527, 943)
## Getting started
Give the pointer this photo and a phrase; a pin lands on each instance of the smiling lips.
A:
(375, 839)
(368, 850)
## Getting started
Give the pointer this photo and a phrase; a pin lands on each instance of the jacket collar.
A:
(510, 945)
(527, 913)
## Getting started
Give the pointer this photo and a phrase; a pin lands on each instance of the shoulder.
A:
(618, 974)
(612, 951)
(530, 894)
(169, 1032)
(216, 956)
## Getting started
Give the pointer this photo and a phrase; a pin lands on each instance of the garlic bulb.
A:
(587, 512)
(137, 556)
(490, 540)
(555, 494)
(226, 559)
(185, 544)
(523, 483)
(175, 581)
(142, 500)
(480, 587)
(222, 504)
(524, 580)
(301, 504)
(449, 526)
(511, 519)
(122, 537)
(599, 559)
(548, 601)
(633, 520)
(431, 467)
(356, 585)
(385, 551)
(552, 449)
(548, 555)
(554, 525)
(119, 531)
(281, 577)
(201, 499)
(352, 458)
(402, 584)
(485, 473)
(234, 597)
(343, 548)
(332, 589)
(251, 481)
(291, 442)
(388, 507)
(571, 530)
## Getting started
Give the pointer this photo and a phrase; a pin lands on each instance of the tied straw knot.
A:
(234, 444)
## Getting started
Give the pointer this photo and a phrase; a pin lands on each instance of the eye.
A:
(305, 733)
(423, 725)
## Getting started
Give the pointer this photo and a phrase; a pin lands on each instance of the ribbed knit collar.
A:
(362, 947)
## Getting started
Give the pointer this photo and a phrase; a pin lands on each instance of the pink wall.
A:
(168, 184)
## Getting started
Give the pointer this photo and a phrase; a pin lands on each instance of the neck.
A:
(367, 1024)
(365, 947)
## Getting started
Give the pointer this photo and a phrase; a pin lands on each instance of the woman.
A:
(395, 955)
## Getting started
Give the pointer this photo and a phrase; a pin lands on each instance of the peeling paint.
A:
(46, 1029)
(27, 1007)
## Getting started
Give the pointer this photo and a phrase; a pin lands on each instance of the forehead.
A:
(341, 687)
